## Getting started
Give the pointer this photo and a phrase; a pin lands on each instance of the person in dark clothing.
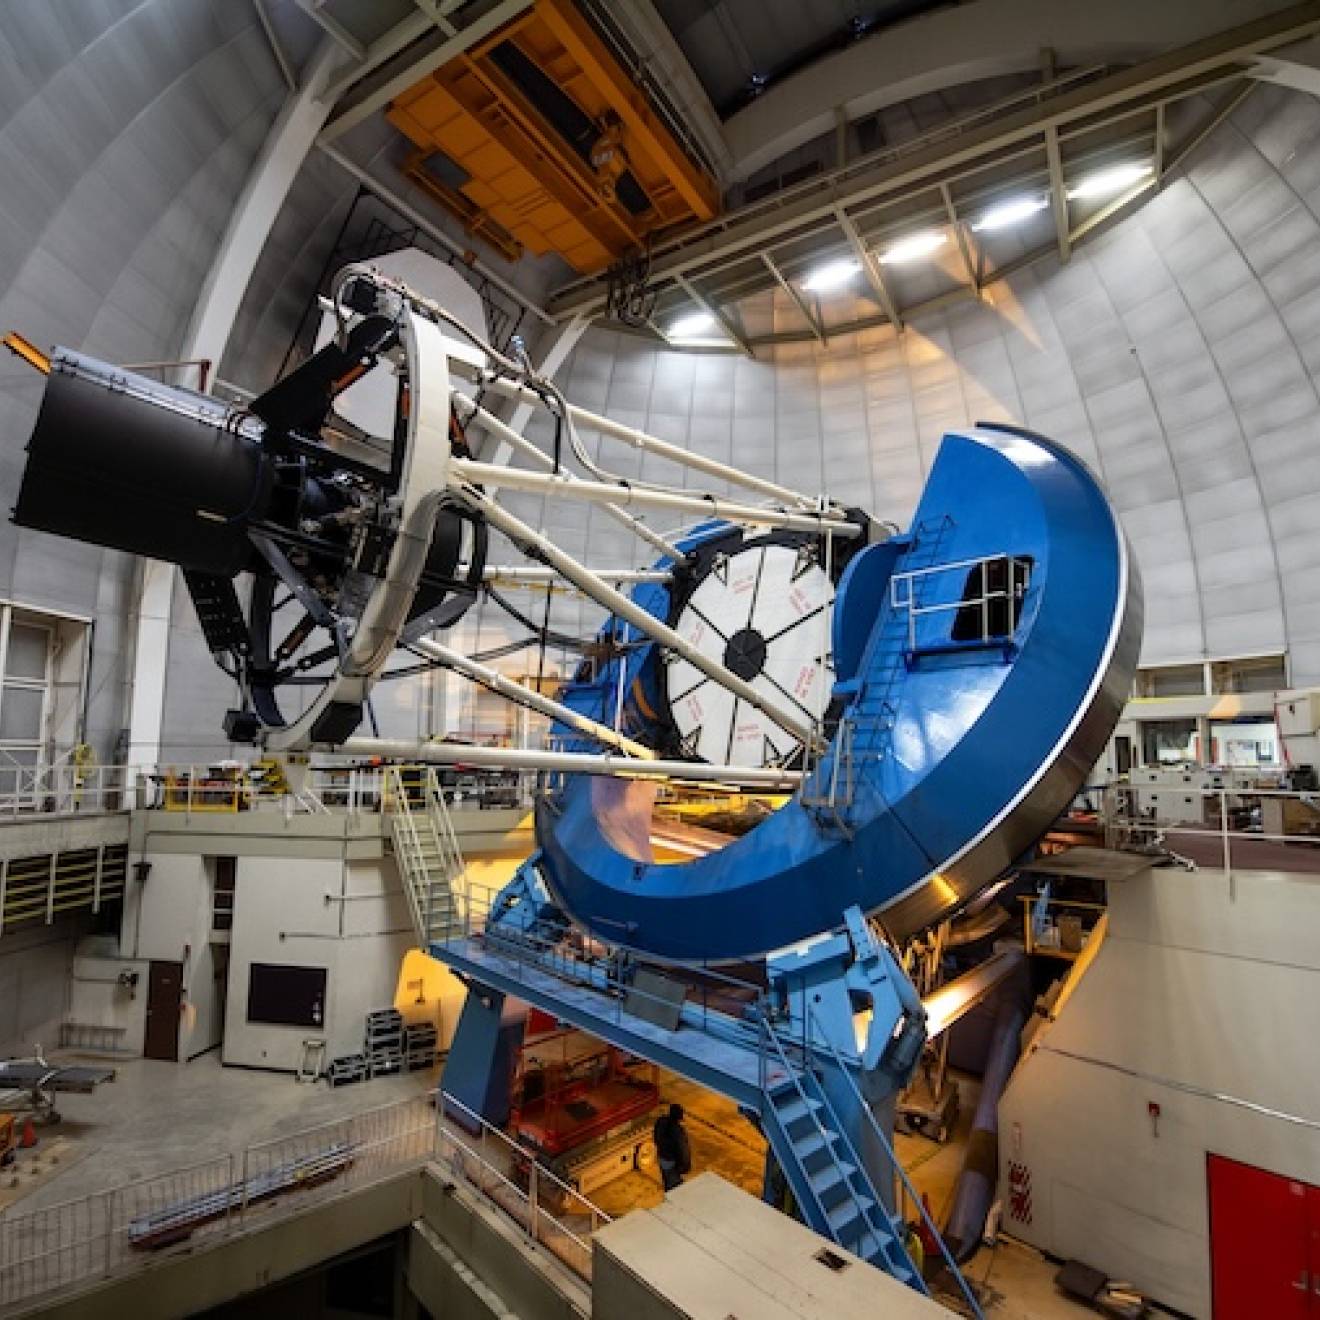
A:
(671, 1146)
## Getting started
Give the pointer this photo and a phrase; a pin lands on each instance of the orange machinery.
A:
(538, 140)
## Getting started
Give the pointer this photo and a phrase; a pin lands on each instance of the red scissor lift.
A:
(582, 1109)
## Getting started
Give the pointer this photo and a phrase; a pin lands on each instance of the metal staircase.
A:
(753, 1058)
(834, 1194)
(426, 848)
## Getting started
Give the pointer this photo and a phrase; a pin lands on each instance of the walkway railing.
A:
(1238, 827)
(61, 788)
(118, 1232)
(545, 1207)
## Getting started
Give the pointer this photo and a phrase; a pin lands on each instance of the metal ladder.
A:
(864, 730)
(829, 1182)
(426, 848)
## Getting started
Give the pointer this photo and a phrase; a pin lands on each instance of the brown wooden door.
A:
(164, 996)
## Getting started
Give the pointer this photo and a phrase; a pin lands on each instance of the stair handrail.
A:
(795, 1076)
(438, 809)
(447, 839)
(892, 1156)
(405, 834)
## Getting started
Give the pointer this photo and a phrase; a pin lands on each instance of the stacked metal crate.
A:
(419, 1048)
(347, 1068)
(384, 1042)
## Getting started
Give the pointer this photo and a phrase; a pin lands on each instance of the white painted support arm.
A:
(586, 763)
(675, 453)
(563, 485)
(617, 603)
(517, 441)
(525, 696)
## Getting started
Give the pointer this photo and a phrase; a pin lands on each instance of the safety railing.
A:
(822, 1046)
(319, 790)
(112, 1233)
(713, 999)
(226, 789)
(970, 590)
(1235, 828)
(551, 1213)
(829, 791)
(61, 788)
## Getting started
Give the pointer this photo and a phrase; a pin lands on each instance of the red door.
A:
(1264, 1244)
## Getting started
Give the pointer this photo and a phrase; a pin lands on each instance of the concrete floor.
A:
(155, 1117)
(1014, 1281)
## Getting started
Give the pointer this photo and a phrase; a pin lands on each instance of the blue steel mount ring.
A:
(983, 659)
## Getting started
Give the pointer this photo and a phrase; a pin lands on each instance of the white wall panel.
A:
(126, 129)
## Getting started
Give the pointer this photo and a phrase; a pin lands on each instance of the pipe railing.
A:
(891, 1155)
(62, 787)
(125, 1229)
(714, 999)
(509, 1175)
(1130, 825)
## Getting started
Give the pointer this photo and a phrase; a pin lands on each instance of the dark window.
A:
(286, 996)
(993, 592)
(222, 896)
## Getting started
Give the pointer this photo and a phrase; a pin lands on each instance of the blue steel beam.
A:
(739, 1072)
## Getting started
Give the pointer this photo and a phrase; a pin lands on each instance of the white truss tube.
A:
(585, 763)
(561, 485)
(617, 603)
(534, 575)
(675, 453)
(522, 695)
(543, 460)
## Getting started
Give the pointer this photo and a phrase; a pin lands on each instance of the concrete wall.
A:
(97, 999)
(1196, 1001)
(168, 918)
(35, 962)
(126, 130)
(349, 917)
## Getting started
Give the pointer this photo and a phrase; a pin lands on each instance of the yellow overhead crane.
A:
(539, 141)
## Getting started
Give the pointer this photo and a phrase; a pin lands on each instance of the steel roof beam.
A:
(731, 327)
(276, 46)
(333, 28)
(415, 70)
(817, 326)
(960, 233)
(1058, 192)
(871, 267)
(1167, 77)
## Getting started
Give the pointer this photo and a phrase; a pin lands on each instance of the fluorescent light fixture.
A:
(1104, 183)
(1006, 214)
(914, 248)
(832, 275)
(692, 326)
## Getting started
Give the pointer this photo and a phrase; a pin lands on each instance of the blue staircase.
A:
(747, 1058)
(829, 1183)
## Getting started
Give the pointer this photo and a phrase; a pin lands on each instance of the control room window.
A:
(42, 676)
